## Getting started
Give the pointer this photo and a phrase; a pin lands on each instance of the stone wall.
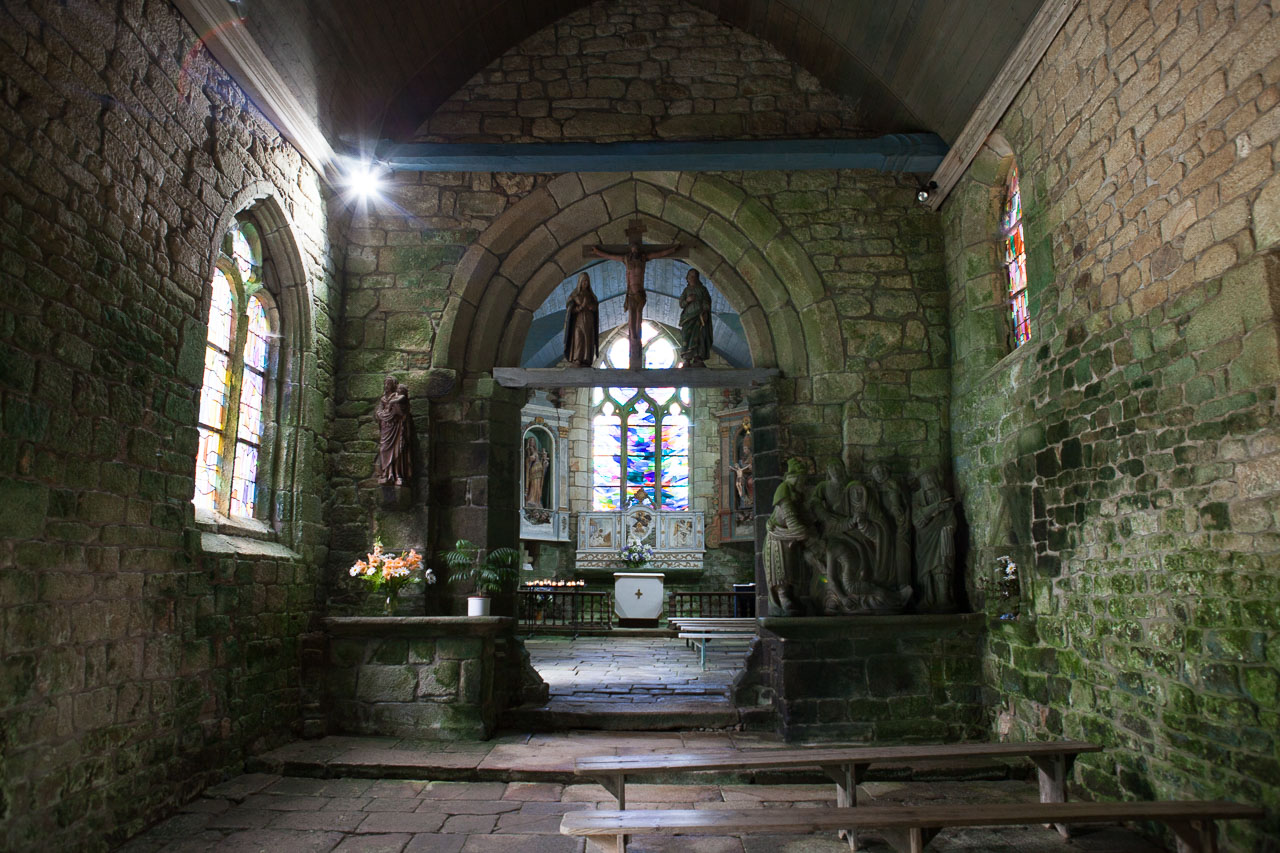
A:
(142, 656)
(422, 677)
(1127, 455)
(872, 679)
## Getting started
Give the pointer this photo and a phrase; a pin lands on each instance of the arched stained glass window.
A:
(234, 391)
(1015, 259)
(640, 436)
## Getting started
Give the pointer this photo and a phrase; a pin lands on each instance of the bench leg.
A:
(847, 778)
(1052, 770)
(607, 844)
(1196, 836)
(911, 840)
(616, 785)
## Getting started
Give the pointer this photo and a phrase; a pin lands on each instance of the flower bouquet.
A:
(1007, 587)
(389, 573)
(635, 555)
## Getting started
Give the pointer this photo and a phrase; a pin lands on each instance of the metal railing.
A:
(547, 607)
(710, 605)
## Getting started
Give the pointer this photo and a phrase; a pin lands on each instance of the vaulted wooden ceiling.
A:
(377, 68)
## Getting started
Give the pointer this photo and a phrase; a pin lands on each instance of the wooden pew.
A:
(907, 828)
(846, 766)
(702, 630)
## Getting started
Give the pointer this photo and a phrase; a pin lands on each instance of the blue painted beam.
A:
(895, 152)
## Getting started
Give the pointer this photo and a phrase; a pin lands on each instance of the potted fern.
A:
(489, 570)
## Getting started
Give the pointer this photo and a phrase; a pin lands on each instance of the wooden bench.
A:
(846, 766)
(702, 639)
(702, 630)
(907, 828)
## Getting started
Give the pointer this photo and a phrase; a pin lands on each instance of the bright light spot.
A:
(366, 181)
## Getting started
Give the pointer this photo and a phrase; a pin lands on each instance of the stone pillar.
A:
(475, 467)
(766, 460)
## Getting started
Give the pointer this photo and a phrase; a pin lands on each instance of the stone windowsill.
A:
(418, 626)
(247, 537)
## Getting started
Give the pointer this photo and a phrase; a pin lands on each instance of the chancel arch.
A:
(536, 244)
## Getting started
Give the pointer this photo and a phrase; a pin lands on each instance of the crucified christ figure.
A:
(635, 255)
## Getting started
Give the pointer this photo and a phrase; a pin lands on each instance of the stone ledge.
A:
(221, 543)
(851, 626)
(419, 626)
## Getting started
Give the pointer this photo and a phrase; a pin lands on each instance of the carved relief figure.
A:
(395, 460)
(695, 321)
(582, 324)
(682, 533)
(786, 532)
(536, 462)
(897, 507)
(933, 513)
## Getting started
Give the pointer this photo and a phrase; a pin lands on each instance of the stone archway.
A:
(734, 240)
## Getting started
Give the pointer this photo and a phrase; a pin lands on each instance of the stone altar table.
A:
(637, 598)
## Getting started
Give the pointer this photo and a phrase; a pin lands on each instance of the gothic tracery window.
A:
(1015, 259)
(233, 394)
(640, 436)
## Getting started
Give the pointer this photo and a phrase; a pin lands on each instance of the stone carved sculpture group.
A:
(856, 544)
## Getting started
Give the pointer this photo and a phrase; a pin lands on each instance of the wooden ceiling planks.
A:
(380, 67)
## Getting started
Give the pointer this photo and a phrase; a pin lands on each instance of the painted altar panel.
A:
(678, 539)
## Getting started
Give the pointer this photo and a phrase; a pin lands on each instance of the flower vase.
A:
(389, 606)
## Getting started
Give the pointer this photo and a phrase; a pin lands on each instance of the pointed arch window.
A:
(640, 436)
(1015, 259)
(233, 395)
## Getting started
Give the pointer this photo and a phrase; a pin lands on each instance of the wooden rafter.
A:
(1004, 88)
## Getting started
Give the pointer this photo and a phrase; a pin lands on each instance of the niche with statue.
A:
(544, 471)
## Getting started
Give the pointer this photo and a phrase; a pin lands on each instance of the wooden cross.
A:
(635, 255)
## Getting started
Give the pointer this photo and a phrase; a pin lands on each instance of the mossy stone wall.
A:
(1126, 456)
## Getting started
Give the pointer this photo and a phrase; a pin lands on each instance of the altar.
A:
(637, 598)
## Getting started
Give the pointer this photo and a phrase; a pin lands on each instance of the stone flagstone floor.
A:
(266, 813)
(635, 670)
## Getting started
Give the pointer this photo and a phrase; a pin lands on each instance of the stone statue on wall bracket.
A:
(933, 513)
(695, 322)
(395, 430)
(582, 325)
(785, 533)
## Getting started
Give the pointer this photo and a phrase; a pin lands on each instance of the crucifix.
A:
(635, 255)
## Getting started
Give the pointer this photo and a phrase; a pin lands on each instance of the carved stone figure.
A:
(854, 547)
(786, 532)
(897, 507)
(635, 256)
(536, 462)
(695, 321)
(395, 424)
(582, 324)
(744, 487)
(933, 513)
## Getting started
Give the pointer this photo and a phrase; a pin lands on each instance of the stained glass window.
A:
(1015, 260)
(231, 412)
(640, 437)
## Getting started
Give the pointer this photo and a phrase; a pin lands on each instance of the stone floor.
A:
(267, 813)
(635, 670)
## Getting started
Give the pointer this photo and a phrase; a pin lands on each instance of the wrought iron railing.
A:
(710, 605)
(555, 607)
